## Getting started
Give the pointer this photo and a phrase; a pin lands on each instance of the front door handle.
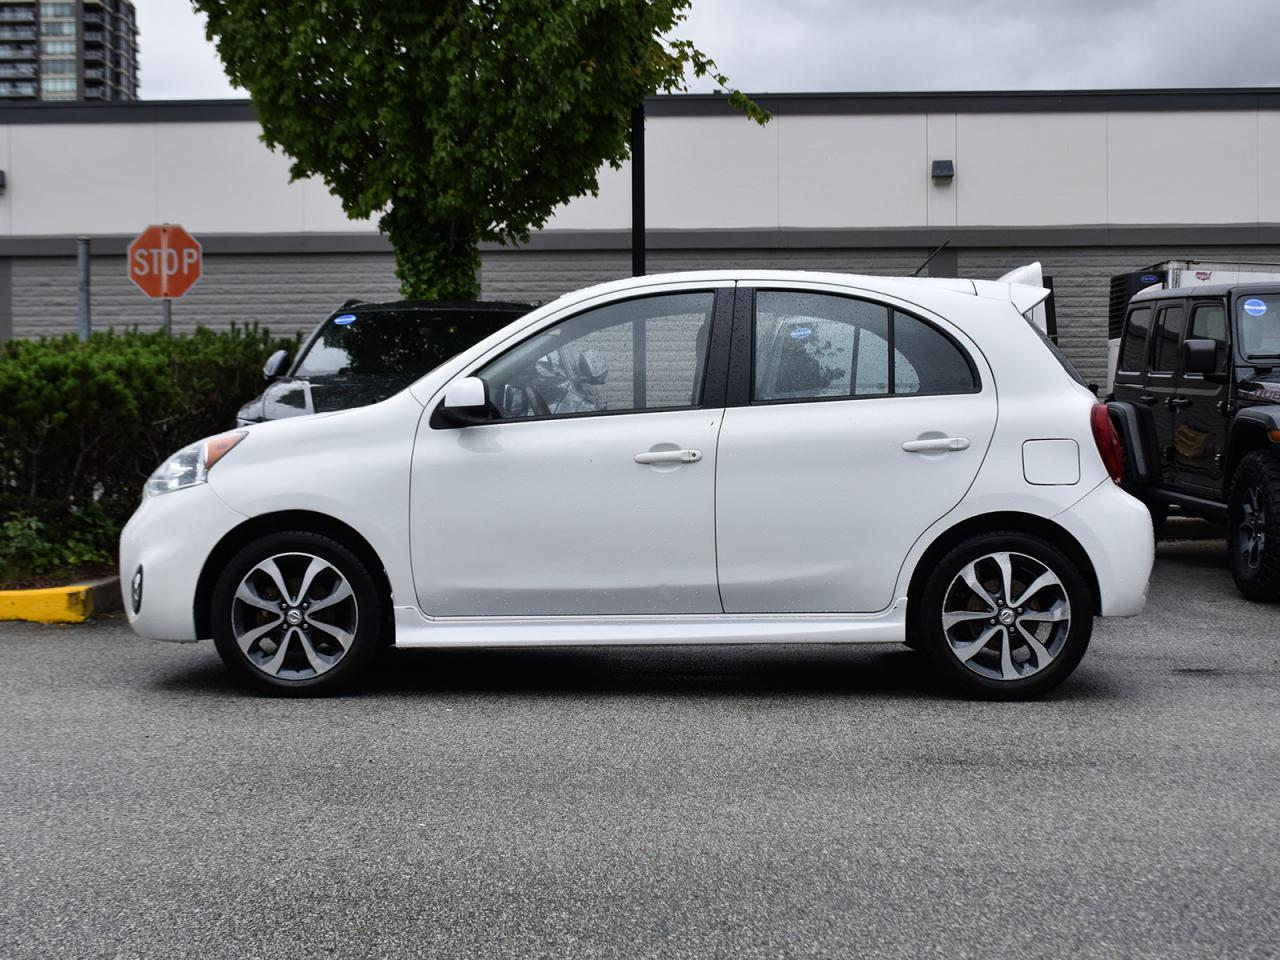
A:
(1178, 403)
(669, 456)
(936, 444)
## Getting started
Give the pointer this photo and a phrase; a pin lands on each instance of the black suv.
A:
(365, 352)
(1197, 405)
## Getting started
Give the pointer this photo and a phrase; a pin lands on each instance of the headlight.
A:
(191, 465)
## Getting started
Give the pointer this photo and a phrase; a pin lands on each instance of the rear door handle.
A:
(669, 456)
(937, 444)
(1148, 399)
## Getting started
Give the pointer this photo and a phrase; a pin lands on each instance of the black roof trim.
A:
(129, 111)
(715, 104)
(978, 101)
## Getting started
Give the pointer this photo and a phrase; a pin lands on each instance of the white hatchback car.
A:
(721, 457)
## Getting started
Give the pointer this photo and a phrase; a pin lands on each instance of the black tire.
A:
(1253, 541)
(362, 615)
(1067, 641)
(1159, 514)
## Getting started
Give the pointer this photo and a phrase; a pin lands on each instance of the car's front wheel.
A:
(296, 614)
(1005, 616)
(1253, 526)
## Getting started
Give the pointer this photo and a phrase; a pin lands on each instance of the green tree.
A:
(454, 121)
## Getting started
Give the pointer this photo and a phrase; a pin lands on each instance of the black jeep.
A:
(365, 352)
(1197, 405)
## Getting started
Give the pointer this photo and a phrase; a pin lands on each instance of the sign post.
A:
(164, 263)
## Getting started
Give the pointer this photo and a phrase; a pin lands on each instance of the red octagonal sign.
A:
(165, 261)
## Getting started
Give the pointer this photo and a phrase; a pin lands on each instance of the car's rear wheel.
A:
(1005, 616)
(1253, 527)
(296, 614)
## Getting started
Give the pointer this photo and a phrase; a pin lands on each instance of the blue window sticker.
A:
(1255, 307)
(1149, 278)
(345, 319)
(800, 333)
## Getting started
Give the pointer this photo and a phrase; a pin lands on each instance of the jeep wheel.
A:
(1253, 527)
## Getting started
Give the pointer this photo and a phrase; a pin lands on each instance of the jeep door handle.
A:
(936, 445)
(1148, 399)
(1178, 403)
(669, 456)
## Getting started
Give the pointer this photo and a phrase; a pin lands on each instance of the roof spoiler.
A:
(1028, 293)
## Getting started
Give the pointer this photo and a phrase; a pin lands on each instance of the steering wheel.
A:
(523, 400)
(536, 403)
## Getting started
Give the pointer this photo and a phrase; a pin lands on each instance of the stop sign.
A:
(165, 261)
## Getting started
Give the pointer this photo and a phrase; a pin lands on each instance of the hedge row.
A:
(83, 424)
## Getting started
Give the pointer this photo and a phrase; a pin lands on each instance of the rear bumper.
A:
(1115, 531)
(170, 537)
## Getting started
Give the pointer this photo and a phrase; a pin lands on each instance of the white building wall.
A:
(703, 172)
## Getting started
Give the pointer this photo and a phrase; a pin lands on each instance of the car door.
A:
(1199, 421)
(591, 490)
(1161, 384)
(854, 427)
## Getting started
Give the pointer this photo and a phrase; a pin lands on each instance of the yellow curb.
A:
(73, 604)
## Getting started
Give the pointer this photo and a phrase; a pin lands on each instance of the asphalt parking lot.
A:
(716, 802)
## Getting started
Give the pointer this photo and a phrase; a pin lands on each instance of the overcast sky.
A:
(802, 45)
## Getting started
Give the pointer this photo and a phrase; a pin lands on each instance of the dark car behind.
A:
(365, 352)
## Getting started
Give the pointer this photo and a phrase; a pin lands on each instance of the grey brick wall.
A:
(288, 293)
(283, 293)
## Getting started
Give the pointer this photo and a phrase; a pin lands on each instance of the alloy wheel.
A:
(1006, 616)
(294, 616)
(1253, 527)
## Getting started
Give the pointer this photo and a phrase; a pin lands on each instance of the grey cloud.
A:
(988, 44)
(802, 45)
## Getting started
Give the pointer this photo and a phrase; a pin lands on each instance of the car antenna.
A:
(931, 256)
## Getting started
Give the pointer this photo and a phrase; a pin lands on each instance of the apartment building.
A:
(79, 50)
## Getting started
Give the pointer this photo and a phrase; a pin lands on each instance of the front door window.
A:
(644, 354)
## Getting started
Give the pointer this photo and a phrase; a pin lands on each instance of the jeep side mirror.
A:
(276, 365)
(466, 403)
(1199, 356)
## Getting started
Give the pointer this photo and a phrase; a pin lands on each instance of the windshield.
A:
(365, 356)
(1258, 319)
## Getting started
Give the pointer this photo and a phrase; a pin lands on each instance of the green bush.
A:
(83, 424)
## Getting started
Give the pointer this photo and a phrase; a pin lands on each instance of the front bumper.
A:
(170, 537)
(1115, 531)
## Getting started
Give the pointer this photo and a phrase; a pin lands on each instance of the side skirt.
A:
(415, 630)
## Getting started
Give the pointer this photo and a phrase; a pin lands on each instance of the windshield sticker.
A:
(345, 319)
(1255, 307)
(800, 333)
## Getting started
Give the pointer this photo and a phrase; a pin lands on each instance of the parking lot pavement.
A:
(715, 802)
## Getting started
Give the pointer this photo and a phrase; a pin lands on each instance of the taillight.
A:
(1108, 441)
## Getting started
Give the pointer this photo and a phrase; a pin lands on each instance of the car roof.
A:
(1206, 290)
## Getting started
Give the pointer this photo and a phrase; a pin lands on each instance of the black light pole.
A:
(637, 190)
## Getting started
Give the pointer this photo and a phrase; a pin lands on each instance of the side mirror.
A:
(276, 365)
(466, 403)
(1200, 356)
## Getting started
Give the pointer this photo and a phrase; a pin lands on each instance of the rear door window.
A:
(816, 346)
(1166, 337)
